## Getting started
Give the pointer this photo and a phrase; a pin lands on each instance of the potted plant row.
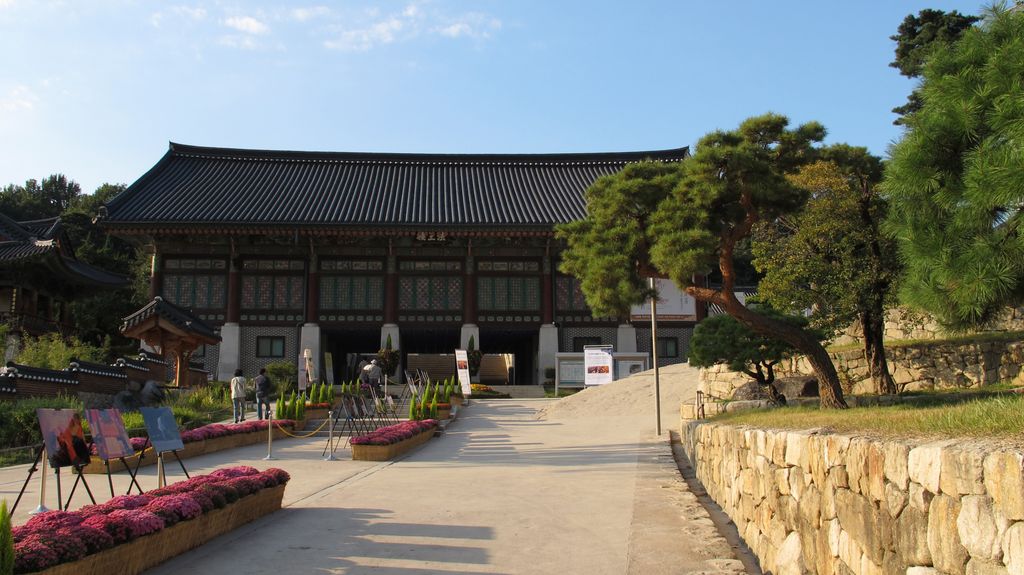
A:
(131, 533)
(393, 440)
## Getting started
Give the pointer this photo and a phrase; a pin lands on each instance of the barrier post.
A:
(270, 437)
(330, 435)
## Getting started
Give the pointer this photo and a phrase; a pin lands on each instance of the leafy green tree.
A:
(916, 38)
(6, 541)
(36, 201)
(954, 180)
(610, 250)
(831, 257)
(55, 352)
(720, 339)
(734, 180)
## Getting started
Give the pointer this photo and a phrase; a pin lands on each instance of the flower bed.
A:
(199, 441)
(131, 533)
(391, 441)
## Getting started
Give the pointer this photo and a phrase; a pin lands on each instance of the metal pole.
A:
(161, 479)
(270, 434)
(654, 355)
(330, 432)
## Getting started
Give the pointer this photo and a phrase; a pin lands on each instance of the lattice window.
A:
(508, 293)
(430, 293)
(569, 295)
(351, 292)
(198, 291)
(272, 292)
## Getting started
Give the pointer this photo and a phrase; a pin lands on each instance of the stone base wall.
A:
(839, 505)
(921, 367)
(904, 324)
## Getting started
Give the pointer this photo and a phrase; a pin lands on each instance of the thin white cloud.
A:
(413, 20)
(472, 25)
(6, 3)
(247, 24)
(311, 13)
(20, 97)
(239, 41)
(190, 12)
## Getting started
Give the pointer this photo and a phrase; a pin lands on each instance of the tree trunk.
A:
(874, 352)
(830, 389)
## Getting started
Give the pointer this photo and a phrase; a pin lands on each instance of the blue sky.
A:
(95, 89)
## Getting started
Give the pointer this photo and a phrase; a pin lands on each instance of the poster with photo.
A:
(162, 429)
(462, 367)
(64, 437)
(598, 363)
(108, 433)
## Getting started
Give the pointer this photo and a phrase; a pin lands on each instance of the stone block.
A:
(874, 478)
(896, 461)
(895, 500)
(976, 525)
(1004, 482)
(796, 482)
(978, 567)
(1013, 548)
(920, 497)
(962, 472)
(924, 465)
(922, 571)
(911, 537)
(948, 553)
(795, 445)
(862, 521)
(893, 564)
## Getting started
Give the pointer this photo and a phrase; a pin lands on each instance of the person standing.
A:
(238, 395)
(262, 394)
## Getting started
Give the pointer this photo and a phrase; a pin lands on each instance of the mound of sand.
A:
(633, 396)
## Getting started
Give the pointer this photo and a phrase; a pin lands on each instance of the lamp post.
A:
(654, 354)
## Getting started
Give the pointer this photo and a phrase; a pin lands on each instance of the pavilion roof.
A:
(200, 187)
(171, 318)
(44, 242)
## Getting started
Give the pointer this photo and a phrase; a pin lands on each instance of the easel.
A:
(80, 478)
(161, 479)
(42, 488)
(131, 473)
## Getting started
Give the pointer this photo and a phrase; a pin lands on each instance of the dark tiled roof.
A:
(42, 240)
(172, 313)
(40, 374)
(195, 186)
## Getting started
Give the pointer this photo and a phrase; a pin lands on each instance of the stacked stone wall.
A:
(809, 503)
(903, 324)
(921, 367)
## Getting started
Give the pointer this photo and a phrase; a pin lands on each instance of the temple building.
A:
(283, 251)
(39, 276)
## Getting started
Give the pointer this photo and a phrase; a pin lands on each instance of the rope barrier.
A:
(311, 434)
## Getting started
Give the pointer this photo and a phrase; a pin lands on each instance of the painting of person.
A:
(162, 429)
(64, 437)
(108, 433)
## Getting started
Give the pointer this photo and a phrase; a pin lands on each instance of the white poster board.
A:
(462, 367)
(599, 365)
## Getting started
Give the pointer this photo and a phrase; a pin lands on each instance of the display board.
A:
(598, 364)
(674, 304)
(462, 367)
(64, 437)
(109, 434)
(162, 429)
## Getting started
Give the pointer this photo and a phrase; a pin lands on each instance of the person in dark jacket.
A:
(262, 394)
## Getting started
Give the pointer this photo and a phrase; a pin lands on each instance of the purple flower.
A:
(32, 554)
(139, 522)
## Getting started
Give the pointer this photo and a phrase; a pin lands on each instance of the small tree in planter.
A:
(474, 356)
(722, 339)
(388, 358)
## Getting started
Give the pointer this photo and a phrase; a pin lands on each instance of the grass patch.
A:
(549, 391)
(997, 417)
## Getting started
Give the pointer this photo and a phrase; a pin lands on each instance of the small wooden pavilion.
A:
(173, 331)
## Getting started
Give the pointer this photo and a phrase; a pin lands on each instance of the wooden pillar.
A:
(313, 290)
(156, 274)
(234, 291)
(391, 291)
(469, 303)
(547, 310)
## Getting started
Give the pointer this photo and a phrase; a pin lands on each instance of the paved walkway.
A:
(500, 492)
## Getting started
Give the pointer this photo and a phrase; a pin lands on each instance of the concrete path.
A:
(500, 492)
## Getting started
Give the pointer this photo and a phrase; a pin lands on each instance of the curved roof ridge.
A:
(426, 158)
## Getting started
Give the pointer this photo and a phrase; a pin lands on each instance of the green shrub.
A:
(51, 351)
(19, 424)
(283, 375)
(413, 409)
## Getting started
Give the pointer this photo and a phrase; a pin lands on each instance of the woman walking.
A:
(238, 395)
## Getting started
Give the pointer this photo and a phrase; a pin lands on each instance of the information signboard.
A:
(599, 364)
(462, 367)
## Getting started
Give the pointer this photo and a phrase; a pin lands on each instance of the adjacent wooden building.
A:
(283, 251)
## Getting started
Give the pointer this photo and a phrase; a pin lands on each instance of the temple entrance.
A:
(520, 348)
(348, 347)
